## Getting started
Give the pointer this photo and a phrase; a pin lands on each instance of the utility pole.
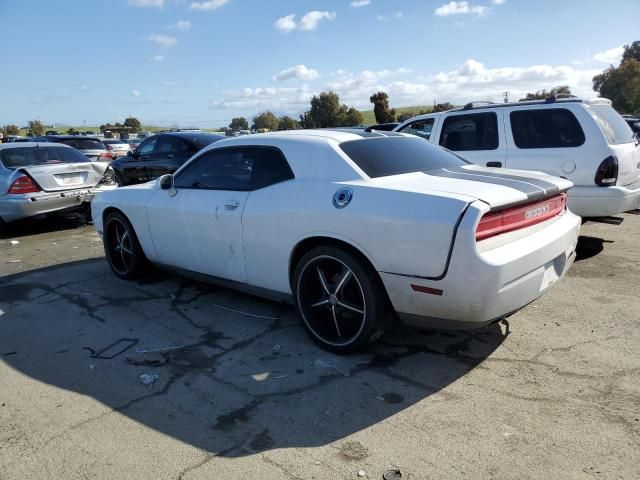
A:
(506, 97)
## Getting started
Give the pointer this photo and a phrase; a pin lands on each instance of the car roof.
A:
(4, 146)
(72, 137)
(336, 134)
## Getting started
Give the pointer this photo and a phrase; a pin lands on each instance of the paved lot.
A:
(552, 394)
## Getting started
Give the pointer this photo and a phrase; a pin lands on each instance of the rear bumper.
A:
(16, 207)
(481, 287)
(603, 201)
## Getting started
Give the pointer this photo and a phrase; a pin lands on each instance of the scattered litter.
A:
(127, 343)
(333, 364)
(9, 353)
(392, 475)
(362, 474)
(260, 377)
(14, 261)
(148, 378)
(317, 462)
(161, 350)
(276, 348)
(154, 359)
(15, 242)
(92, 366)
(54, 243)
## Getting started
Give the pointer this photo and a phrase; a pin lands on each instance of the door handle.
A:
(232, 204)
(494, 164)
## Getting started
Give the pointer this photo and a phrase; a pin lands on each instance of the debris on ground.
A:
(112, 351)
(148, 378)
(163, 350)
(332, 364)
(15, 242)
(92, 366)
(392, 475)
(152, 359)
(362, 474)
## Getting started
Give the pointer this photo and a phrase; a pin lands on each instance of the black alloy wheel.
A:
(121, 247)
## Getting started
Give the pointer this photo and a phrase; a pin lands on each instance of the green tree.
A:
(621, 85)
(381, 109)
(71, 131)
(404, 116)
(239, 123)
(265, 120)
(442, 107)
(288, 123)
(326, 112)
(133, 123)
(106, 126)
(632, 51)
(11, 130)
(563, 90)
(35, 128)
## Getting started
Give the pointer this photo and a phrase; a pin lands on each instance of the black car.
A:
(160, 154)
(92, 147)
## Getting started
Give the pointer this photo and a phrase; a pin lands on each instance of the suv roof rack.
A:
(477, 104)
(482, 105)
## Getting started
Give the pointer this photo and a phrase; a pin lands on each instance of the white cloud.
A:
(146, 3)
(163, 40)
(183, 25)
(208, 5)
(498, 2)
(308, 22)
(613, 55)
(287, 100)
(299, 72)
(460, 8)
(158, 58)
(135, 93)
(312, 19)
(286, 24)
(386, 18)
(360, 3)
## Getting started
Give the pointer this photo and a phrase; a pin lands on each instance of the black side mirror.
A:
(166, 182)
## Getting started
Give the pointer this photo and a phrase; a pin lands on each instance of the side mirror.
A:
(166, 182)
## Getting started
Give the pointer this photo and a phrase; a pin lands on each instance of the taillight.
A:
(607, 173)
(106, 155)
(495, 223)
(23, 184)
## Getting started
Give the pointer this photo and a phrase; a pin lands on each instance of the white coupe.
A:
(355, 228)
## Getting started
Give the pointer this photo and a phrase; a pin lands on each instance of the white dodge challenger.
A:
(355, 228)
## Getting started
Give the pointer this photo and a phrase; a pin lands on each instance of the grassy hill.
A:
(370, 118)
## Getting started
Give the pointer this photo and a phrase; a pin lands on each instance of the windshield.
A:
(613, 125)
(83, 143)
(30, 156)
(384, 156)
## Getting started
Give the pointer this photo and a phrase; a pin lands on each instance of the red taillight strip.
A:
(23, 184)
(421, 289)
(495, 223)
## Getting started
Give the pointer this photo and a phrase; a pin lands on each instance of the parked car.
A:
(52, 132)
(385, 127)
(160, 154)
(91, 147)
(43, 178)
(118, 148)
(350, 226)
(586, 142)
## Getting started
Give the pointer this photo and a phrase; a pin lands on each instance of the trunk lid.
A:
(498, 187)
(93, 155)
(69, 176)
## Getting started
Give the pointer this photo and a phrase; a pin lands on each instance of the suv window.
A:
(475, 131)
(546, 128)
(168, 144)
(385, 156)
(420, 128)
(613, 125)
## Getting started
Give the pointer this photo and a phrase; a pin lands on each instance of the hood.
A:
(498, 187)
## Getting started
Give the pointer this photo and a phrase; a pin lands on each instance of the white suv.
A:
(587, 142)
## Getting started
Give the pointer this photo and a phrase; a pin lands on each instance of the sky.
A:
(199, 63)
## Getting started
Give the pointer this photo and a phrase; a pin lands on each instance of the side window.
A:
(146, 147)
(168, 144)
(228, 169)
(420, 128)
(474, 131)
(546, 128)
(270, 167)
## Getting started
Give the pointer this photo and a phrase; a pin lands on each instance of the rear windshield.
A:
(381, 157)
(613, 125)
(83, 143)
(29, 156)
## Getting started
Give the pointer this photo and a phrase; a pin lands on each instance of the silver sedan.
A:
(42, 178)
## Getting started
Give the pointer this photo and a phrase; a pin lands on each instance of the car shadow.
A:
(47, 224)
(589, 247)
(241, 376)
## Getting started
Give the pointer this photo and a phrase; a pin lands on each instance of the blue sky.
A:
(199, 63)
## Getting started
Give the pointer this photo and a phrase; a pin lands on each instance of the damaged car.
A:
(44, 178)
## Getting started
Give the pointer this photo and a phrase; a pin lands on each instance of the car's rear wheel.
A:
(340, 298)
(122, 248)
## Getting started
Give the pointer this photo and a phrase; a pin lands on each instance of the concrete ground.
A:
(553, 393)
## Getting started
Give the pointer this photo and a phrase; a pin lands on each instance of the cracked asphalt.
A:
(552, 393)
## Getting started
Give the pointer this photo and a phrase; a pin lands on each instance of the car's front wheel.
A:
(340, 298)
(122, 248)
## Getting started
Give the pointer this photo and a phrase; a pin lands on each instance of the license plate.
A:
(70, 179)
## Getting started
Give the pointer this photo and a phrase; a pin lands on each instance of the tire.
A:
(121, 246)
(3, 226)
(341, 299)
(119, 178)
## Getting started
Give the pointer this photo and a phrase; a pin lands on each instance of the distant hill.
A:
(370, 118)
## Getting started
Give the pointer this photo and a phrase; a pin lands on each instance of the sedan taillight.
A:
(106, 155)
(495, 223)
(23, 184)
